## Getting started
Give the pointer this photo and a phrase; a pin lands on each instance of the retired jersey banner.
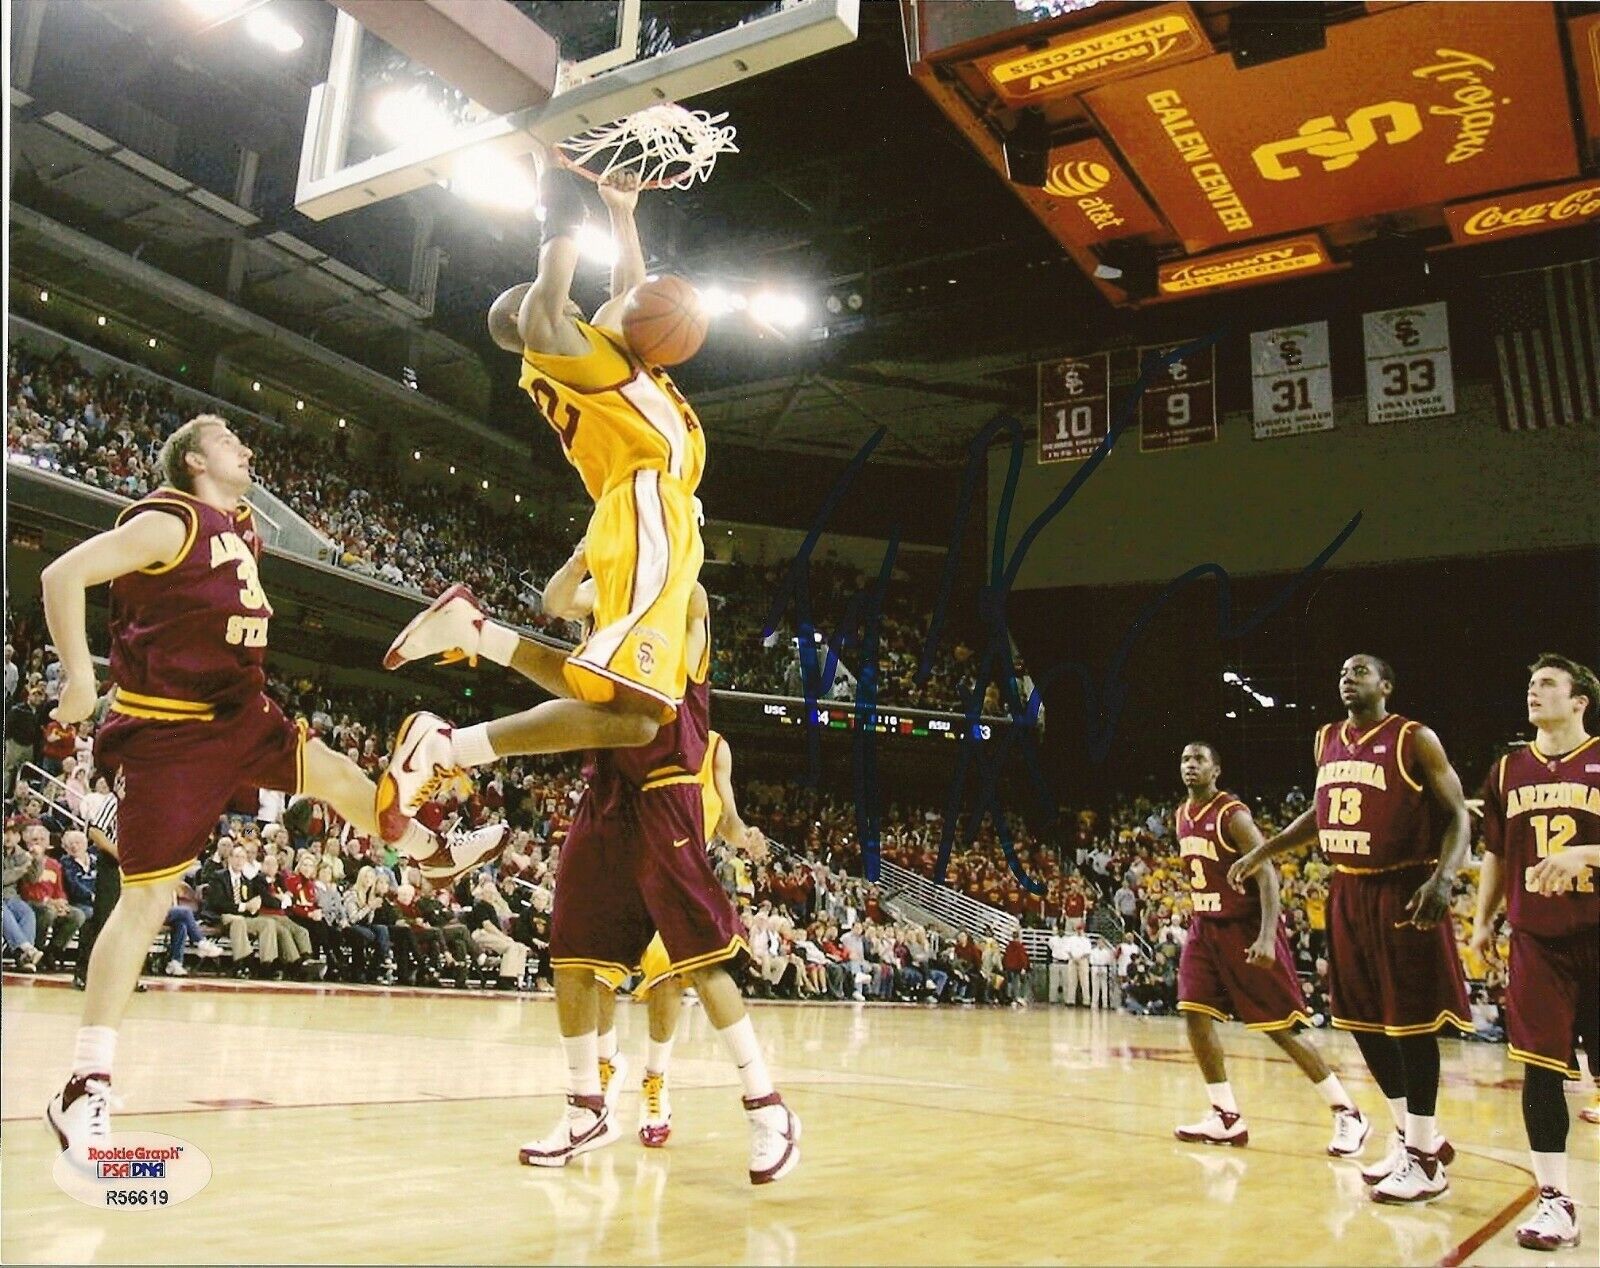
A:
(1408, 363)
(1074, 406)
(1532, 211)
(1179, 406)
(1291, 380)
(1398, 110)
(1092, 199)
(1071, 61)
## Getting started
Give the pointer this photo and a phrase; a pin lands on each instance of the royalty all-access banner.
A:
(1408, 363)
(1291, 380)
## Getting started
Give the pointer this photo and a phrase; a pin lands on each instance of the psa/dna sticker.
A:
(134, 1171)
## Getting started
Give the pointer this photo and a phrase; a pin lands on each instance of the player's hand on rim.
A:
(619, 190)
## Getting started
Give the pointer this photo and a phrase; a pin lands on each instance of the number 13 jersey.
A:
(1372, 812)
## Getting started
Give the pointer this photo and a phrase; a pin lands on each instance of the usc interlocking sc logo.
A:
(1392, 122)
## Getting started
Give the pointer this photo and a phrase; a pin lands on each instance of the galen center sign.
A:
(1398, 110)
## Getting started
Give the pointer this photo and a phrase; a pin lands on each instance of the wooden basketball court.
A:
(373, 1126)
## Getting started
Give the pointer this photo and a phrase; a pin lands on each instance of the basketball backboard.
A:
(458, 92)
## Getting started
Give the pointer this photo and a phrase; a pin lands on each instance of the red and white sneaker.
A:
(465, 850)
(1350, 1131)
(1554, 1225)
(1373, 1173)
(80, 1115)
(774, 1138)
(449, 628)
(613, 1074)
(419, 770)
(655, 1111)
(1219, 1127)
(586, 1125)
(1420, 1178)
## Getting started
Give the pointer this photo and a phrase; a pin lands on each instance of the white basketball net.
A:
(669, 146)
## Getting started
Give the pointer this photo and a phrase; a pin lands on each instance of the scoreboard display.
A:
(842, 718)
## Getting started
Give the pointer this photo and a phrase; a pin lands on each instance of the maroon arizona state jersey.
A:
(191, 635)
(1534, 806)
(1207, 854)
(1372, 811)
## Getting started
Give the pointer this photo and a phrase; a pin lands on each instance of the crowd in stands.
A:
(105, 429)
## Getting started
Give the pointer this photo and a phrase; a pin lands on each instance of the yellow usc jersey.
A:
(613, 414)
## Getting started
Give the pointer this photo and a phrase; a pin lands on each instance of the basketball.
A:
(664, 322)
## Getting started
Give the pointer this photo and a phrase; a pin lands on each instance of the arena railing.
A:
(947, 905)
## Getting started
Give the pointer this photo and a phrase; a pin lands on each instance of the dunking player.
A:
(640, 451)
(189, 723)
(1237, 960)
(633, 864)
(1390, 814)
(660, 986)
(1541, 825)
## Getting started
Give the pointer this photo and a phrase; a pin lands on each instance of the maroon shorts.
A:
(1215, 979)
(178, 778)
(639, 869)
(1553, 1000)
(1385, 976)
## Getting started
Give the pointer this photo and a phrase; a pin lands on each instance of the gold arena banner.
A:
(1073, 60)
(1246, 266)
(1396, 111)
(1584, 36)
(1091, 198)
(1531, 211)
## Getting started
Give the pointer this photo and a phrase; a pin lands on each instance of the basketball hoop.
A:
(669, 147)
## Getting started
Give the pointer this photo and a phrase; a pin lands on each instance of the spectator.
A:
(56, 921)
(20, 925)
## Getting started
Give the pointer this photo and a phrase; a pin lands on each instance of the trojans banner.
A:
(1291, 380)
(1074, 406)
(1399, 109)
(1408, 363)
(1245, 266)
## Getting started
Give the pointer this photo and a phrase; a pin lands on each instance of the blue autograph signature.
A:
(1104, 695)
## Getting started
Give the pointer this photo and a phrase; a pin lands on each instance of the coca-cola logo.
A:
(1497, 217)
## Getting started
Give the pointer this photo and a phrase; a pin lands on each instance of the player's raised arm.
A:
(145, 541)
(1429, 905)
(620, 193)
(539, 315)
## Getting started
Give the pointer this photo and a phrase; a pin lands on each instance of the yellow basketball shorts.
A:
(644, 552)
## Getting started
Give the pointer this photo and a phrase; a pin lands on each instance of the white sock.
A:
(1397, 1107)
(740, 1040)
(1333, 1093)
(1422, 1132)
(497, 643)
(659, 1057)
(605, 1045)
(469, 746)
(1550, 1170)
(583, 1064)
(94, 1050)
(1221, 1095)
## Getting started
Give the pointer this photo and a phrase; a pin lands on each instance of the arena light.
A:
(152, 341)
(596, 246)
(99, 321)
(266, 27)
(495, 181)
(518, 498)
(44, 297)
(452, 468)
(485, 484)
(216, 10)
(718, 301)
(341, 422)
(299, 404)
(416, 455)
(407, 114)
(256, 386)
(775, 308)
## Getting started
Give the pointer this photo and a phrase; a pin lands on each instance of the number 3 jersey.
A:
(1372, 812)
(190, 636)
(1207, 854)
(1535, 805)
